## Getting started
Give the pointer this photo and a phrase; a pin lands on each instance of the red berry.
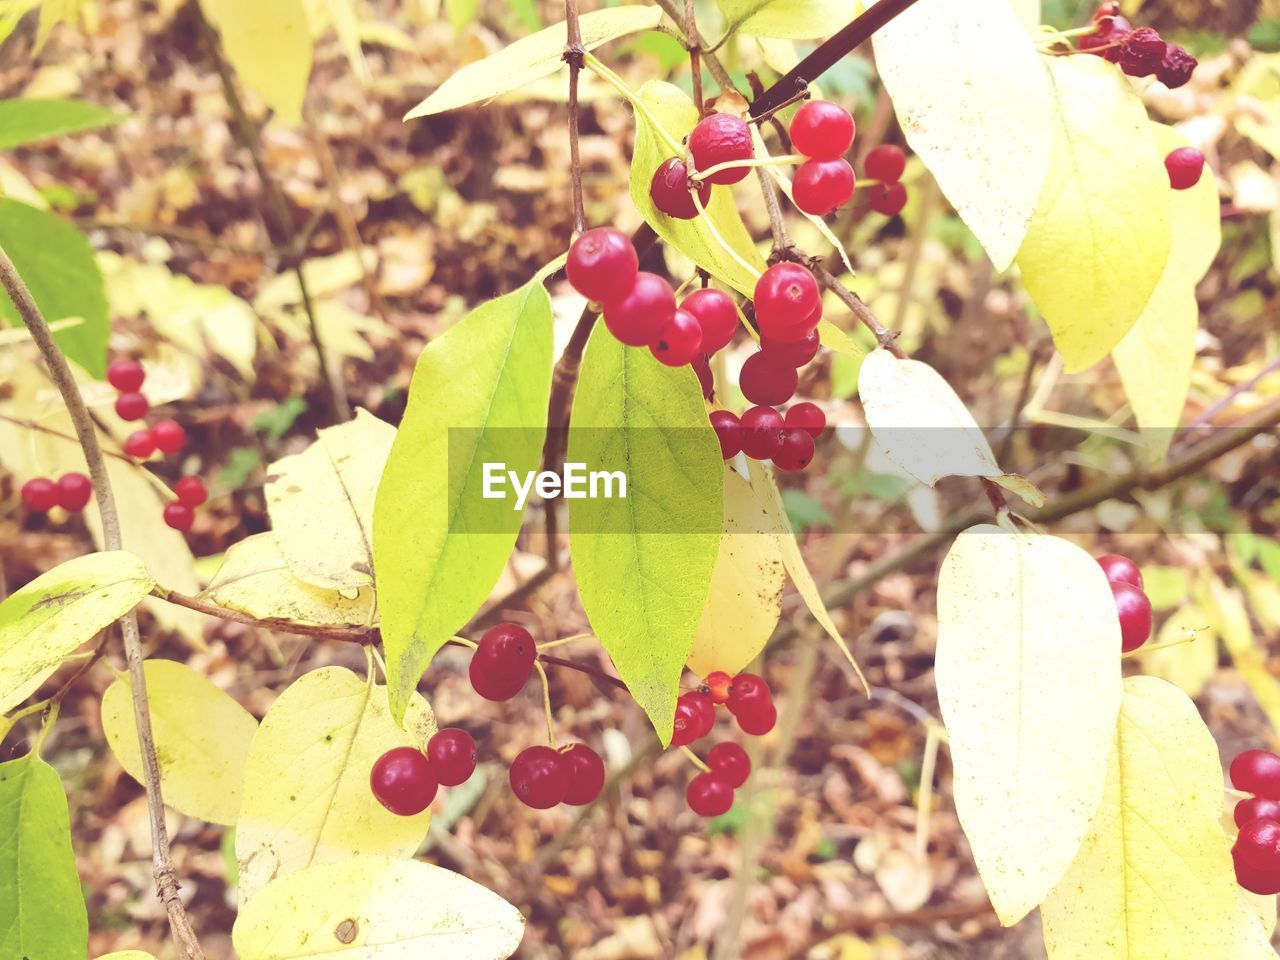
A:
(886, 163)
(767, 381)
(679, 341)
(1120, 569)
(74, 492)
(40, 495)
(503, 660)
(795, 353)
(1135, 615)
(718, 683)
(721, 138)
(808, 417)
(402, 781)
(758, 720)
(602, 262)
(191, 491)
(1265, 883)
(706, 379)
(709, 795)
(670, 191)
(731, 762)
(140, 444)
(888, 199)
(1177, 67)
(705, 708)
(585, 771)
(1142, 52)
(728, 430)
(1258, 846)
(126, 376)
(762, 433)
(1109, 9)
(695, 716)
(452, 754)
(1185, 166)
(169, 436)
(821, 186)
(822, 130)
(1106, 42)
(788, 302)
(1256, 808)
(716, 314)
(131, 406)
(539, 778)
(636, 317)
(747, 691)
(797, 450)
(1257, 772)
(179, 516)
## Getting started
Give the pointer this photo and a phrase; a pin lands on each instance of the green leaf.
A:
(644, 562)
(42, 912)
(54, 259)
(27, 121)
(269, 44)
(532, 58)
(790, 19)
(56, 612)
(487, 380)
(664, 116)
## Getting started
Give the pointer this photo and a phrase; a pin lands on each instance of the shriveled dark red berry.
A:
(767, 381)
(728, 430)
(1185, 166)
(794, 352)
(709, 795)
(1258, 845)
(721, 138)
(796, 452)
(74, 492)
(888, 198)
(452, 754)
(706, 379)
(140, 444)
(602, 263)
(886, 163)
(402, 781)
(1142, 52)
(762, 432)
(822, 130)
(679, 340)
(670, 190)
(1109, 38)
(730, 761)
(716, 315)
(1256, 808)
(718, 683)
(1120, 569)
(131, 406)
(39, 495)
(808, 417)
(179, 517)
(539, 778)
(191, 491)
(1257, 772)
(169, 436)
(585, 771)
(1135, 615)
(1177, 67)
(788, 302)
(636, 317)
(695, 715)
(127, 376)
(502, 662)
(822, 186)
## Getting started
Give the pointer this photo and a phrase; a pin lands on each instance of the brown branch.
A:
(162, 866)
(693, 45)
(713, 64)
(884, 336)
(573, 54)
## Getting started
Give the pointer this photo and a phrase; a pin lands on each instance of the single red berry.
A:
(886, 163)
(762, 433)
(585, 771)
(539, 778)
(403, 782)
(797, 450)
(1177, 67)
(767, 381)
(1257, 772)
(169, 436)
(140, 444)
(502, 662)
(709, 795)
(601, 263)
(706, 379)
(1256, 808)
(131, 406)
(747, 691)
(1265, 883)
(728, 430)
(822, 130)
(679, 341)
(1142, 52)
(721, 138)
(822, 186)
(1135, 615)
(191, 491)
(671, 193)
(758, 720)
(730, 761)
(74, 492)
(716, 314)
(452, 754)
(793, 352)
(808, 417)
(705, 709)
(788, 302)
(179, 516)
(718, 683)
(636, 317)
(888, 199)
(1120, 569)
(40, 495)
(695, 716)
(126, 376)
(1258, 845)
(1185, 166)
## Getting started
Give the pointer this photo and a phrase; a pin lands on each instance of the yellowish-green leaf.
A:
(306, 798)
(1231, 618)
(790, 19)
(746, 587)
(254, 579)
(1100, 238)
(1028, 674)
(533, 57)
(269, 44)
(321, 503)
(25, 121)
(980, 123)
(1153, 877)
(202, 739)
(1191, 663)
(1028, 12)
(127, 955)
(377, 906)
(46, 620)
(1155, 358)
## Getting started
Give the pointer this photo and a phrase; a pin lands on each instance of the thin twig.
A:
(49, 431)
(693, 45)
(573, 55)
(884, 336)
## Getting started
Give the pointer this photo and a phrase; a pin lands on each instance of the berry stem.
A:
(711, 228)
(1050, 37)
(789, 159)
(546, 702)
(695, 760)
(1153, 647)
(49, 431)
(573, 54)
(552, 644)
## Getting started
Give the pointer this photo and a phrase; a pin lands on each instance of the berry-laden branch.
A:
(60, 371)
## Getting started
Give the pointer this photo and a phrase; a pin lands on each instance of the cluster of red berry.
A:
(405, 780)
(71, 492)
(1131, 601)
(823, 132)
(1139, 53)
(1256, 852)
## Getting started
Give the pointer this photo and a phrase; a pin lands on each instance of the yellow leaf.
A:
(321, 503)
(269, 44)
(1153, 877)
(746, 586)
(1100, 237)
(790, 19)
(202, 739)
(1028, 674)
(376, 906)
(127, 955)
(1232, 620)
(1189, 665)
(980, 123)
(306, 798)
(1028, 12)
(44, 621)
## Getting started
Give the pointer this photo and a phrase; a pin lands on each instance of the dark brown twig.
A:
(573, 54)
